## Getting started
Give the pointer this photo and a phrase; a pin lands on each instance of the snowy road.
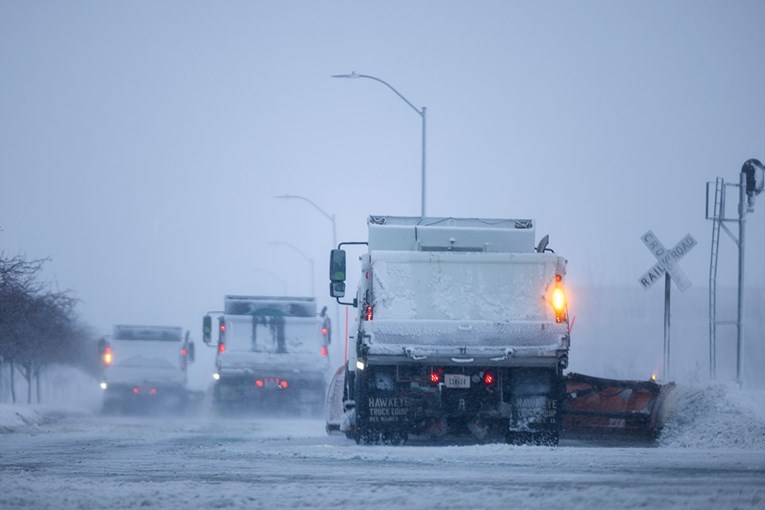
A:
(88, 461)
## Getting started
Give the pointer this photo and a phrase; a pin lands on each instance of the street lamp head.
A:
(352, 75)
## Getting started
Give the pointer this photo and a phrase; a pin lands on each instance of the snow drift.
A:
(714, 416)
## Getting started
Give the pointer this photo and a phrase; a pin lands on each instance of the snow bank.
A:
(25, 417)
(14, 417)
(715, 416)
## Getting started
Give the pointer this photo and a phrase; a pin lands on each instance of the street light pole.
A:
(309, 259)
(272, 275)
(331, 218)
(420, 111)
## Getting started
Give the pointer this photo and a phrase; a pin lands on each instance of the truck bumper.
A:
(488, 401)
(138, 398)
(270, 391)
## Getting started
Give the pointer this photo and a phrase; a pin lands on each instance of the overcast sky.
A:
(141, 143)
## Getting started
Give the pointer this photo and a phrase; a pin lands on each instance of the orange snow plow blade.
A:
(595, 407)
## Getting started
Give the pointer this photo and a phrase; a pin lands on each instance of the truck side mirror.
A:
(207, 329)
(337, 289)
(337, 273)
(337, 266)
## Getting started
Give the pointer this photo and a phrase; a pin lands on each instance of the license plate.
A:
(456, 381)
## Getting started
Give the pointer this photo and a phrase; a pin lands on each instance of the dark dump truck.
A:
(462, 329)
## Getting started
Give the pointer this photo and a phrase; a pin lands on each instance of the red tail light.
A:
(136, 391)
(221, 335)
(153, 391)
(488, 379)
(324, 331)
(283, 384)
(323, 351)
(184, 352)
(369, 313)
(259, 383)
(435, 377)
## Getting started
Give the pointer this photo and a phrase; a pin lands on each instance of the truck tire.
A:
(542, 438)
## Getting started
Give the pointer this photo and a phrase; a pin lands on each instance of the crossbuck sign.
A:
(667, 265)
(667, 260)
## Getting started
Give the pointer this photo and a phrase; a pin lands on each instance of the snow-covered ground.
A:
(711, 455)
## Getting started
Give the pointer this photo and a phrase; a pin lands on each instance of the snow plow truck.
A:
(272, 354)
(462, 329)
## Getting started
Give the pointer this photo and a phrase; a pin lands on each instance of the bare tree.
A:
(38, 327)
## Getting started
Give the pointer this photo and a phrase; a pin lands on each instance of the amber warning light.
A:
(107, 356)
(558, 300)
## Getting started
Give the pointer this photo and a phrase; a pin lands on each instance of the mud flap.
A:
(533, 402)
(383, 415)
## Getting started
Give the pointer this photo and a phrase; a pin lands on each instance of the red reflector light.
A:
(136, 391)
(283, 384)
(488, 379)
(221, 347)
(435, 377)
(153, 391)
(369, 313)
(324, 351)
(259, 383)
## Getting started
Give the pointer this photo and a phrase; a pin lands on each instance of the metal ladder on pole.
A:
(717, 212)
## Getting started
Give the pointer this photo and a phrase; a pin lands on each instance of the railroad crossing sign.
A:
(667, 265)
(667, 260)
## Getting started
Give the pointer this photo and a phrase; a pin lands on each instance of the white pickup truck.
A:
(144, 368)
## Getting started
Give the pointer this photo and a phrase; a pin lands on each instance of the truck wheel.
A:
(548, 438)
(111, 406)
(544, 438)
(365, 435)
(394, 438)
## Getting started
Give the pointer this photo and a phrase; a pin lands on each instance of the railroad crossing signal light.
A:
(755, 176)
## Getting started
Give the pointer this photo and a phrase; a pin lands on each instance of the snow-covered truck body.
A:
(272, 354)
(145, 367)
(462, 329)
